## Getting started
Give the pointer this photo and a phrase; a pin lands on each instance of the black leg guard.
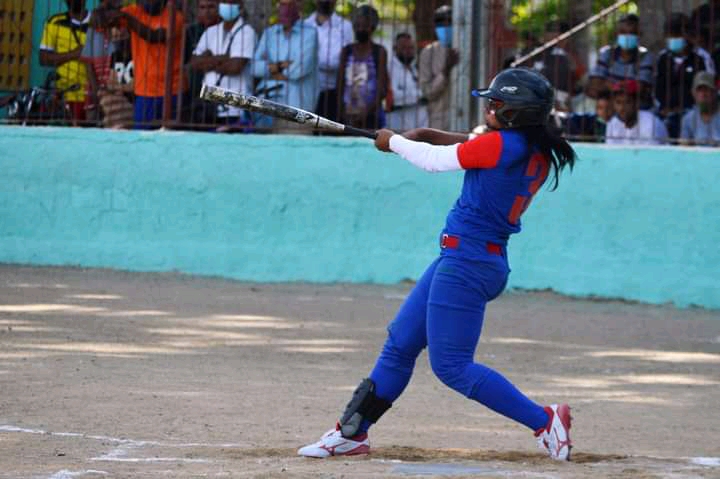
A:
(363, 405)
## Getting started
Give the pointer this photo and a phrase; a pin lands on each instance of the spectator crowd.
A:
(123, 61)
(634, 96)
(138, 64)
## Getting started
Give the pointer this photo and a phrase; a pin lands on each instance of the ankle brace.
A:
(364, 405)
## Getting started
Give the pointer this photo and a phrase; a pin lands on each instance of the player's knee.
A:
(401, 350)
(453, 372)
(397, 359)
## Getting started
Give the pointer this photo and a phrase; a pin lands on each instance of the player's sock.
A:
(364, 426)
(547, 425)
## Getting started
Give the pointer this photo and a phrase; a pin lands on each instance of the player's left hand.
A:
(382, 142)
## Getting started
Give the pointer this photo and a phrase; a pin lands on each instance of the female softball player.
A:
(504, 168)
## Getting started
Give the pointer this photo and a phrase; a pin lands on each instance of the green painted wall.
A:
(640, 224)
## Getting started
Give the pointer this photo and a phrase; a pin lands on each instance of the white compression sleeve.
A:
(431, 158)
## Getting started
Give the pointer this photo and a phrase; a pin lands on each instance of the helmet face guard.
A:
(519, 97)
(515, 116)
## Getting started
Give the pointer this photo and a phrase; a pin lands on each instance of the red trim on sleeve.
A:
(481, 152)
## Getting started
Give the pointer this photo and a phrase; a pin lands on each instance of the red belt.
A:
(453, 242)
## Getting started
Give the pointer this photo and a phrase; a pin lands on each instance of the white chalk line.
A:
(120, 454)
(695, 461)
(147, 460)
(65, 474)
(706, 461)
(129, 442)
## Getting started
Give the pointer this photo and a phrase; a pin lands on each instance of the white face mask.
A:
(229, 11)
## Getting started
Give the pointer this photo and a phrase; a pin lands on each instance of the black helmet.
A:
(526, 94)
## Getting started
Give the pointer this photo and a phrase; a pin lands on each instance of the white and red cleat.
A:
(555, 437)
(332, 443)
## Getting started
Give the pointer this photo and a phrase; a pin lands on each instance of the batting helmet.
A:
(527, 97)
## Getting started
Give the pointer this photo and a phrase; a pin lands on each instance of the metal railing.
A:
(118, 64)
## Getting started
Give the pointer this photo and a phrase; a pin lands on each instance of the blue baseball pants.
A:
(444, 312)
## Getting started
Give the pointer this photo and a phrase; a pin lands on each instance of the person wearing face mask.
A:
(701, 125)
(148, 22)
(362, 75)
(676, 68)
(409, 110)
(285, 65)
(625, 60)
(334, 33)
(435, 66)
(223, 54)
(62, 43)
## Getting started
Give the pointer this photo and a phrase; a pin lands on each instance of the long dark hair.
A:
(547, 139)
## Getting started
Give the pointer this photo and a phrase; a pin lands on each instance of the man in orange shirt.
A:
(149, 23)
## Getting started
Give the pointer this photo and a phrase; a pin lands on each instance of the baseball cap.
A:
(443, 14)
(630, 87)
(704, 78)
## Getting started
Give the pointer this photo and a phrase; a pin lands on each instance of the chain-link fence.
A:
(629, 72)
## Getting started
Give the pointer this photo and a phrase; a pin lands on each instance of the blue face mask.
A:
(444, 35)
(627, 41)
(229, 11)
(675, 45)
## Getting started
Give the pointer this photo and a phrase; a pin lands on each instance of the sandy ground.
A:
(111, 374)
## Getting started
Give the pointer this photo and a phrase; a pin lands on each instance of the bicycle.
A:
(40, 105)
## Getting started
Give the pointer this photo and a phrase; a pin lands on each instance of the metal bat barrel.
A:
(278, 110)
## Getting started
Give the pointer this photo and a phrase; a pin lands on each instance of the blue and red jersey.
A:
(503, 173)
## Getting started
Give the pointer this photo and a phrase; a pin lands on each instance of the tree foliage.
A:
(531, 16)
(399, 10)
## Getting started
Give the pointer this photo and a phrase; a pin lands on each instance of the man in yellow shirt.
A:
(62, 43)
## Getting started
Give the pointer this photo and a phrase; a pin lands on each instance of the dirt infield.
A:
(111, 374)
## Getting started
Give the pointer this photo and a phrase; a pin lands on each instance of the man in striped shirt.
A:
(627, 60)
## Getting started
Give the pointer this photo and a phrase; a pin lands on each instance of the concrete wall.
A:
(640, 224)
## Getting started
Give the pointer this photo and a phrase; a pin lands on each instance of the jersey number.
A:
(538, 168)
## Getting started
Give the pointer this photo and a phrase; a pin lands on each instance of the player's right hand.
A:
(382, 141)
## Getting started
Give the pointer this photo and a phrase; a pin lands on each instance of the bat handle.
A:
(351, 130)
